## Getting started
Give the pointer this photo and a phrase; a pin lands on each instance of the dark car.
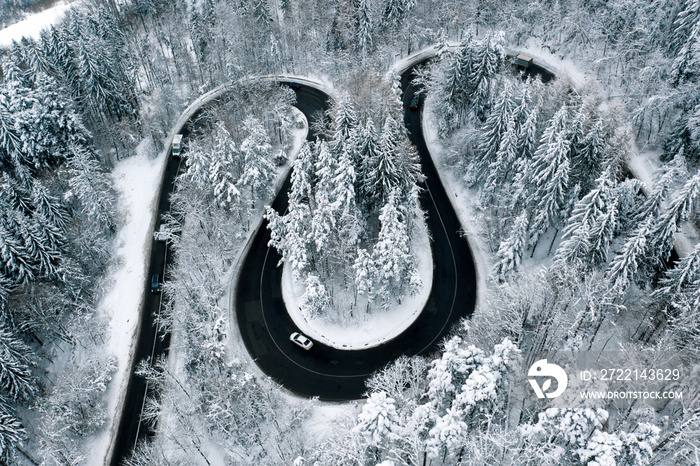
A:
(415, 102)
(294, 86)
(155, 283)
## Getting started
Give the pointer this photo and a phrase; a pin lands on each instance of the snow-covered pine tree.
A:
(324, 218)
(590, 153)
(578, 237)
(685, 21)
(198, 165)
(663, 231)
(221, 169)
(683, 278)
(92, 186)
(258, 167)
(16, 380)
(345, 208)
(344, 120)
(492, 132)
(365, 272)
(466, 390)
(226, 193)
(385, 170)
(290, 233)
(687, 42)
(489, 58)
(510, 251)
(379, 422)
(14, 258)
(303, 176)
(315, 299)
(364, 34)
(395, 264)
(500, 169)
(12, 433)
(550, 178)
(40, 242)
(394, 13)
(602, 234)
(49, 207)
(37, 113)
(528, 133)
(366, 154)
(451, 81)
(624, 267)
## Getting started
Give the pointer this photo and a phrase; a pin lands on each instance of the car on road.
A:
(415, 102)
(300, 340)
(161, 234)
(177, 145)
(155, 283)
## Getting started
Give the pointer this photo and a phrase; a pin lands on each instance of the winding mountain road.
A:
(334, 374)
(265, 326)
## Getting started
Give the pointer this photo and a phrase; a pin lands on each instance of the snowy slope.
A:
(32, 26)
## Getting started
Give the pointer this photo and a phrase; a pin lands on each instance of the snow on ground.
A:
(463, 197)
(378, 327)
(33, 24)
(137, 180)
(325, 417)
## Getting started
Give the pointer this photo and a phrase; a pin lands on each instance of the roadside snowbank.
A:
(462, 202)
(137, 179)
(375, 329)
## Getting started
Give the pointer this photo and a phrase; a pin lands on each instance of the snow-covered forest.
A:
(352, 212)
(580, 194)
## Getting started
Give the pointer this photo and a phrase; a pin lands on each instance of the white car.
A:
(300, 340)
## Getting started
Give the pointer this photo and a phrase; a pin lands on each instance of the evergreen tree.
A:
(324, 219)
(511, 250)
(528, 134)
(392, 256)
(258, 168)
(90, 183)
(395, 166)
(16, 263)
(550, 177)
(489, 58)
(367, 153)
(662, 235)
(589, 225)
(394, 13)
(12, 433)
(684, 278)
(379, 421)
(493, 131)
(364, 34)
(501, 167)
(625, 265)
(49, 207)
(315, 299)
(221, 169)
(365, 273)
(590, 153)
(687, 42)
(16, 379)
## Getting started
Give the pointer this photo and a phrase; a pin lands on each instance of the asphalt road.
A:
(152, 342)
(333, 374)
